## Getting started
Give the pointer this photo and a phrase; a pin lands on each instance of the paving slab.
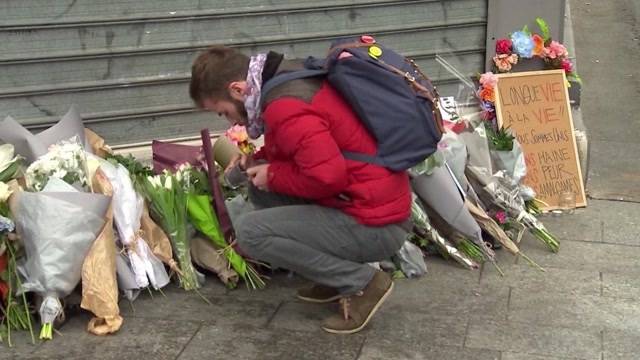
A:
(585, 224)
(621, 345)
(248, 342)
(486, 302)
(301, 316)
(534, 339)
(22, 347)
(385, 349)
(614, 172)
(446, 271)
(149, 339)
(621, 285)
(579, 255)
(419, 329)
(192, 307)
(521, 356)
(583, 311)
(622, 222)
(530, 279)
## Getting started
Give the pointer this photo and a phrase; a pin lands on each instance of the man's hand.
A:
(259, 176)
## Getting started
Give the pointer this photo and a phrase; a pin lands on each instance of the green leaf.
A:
(526, 30)
(544, 28)
(501, 140)
(575, 77)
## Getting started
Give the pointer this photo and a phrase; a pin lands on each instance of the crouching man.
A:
(317, 213)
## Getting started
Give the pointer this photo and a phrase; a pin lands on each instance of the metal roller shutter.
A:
(126, 64)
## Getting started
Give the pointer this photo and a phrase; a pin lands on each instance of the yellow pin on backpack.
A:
(375, 52)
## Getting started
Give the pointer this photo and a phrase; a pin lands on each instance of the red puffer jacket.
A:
(303, 144)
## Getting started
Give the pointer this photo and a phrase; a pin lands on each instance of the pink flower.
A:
(501, 217)
(567, 65)
(237, 134)
(488, 79)
(555, 50)
(504, 62)
(503, 46)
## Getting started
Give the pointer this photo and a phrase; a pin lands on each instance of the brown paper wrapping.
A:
(157, 240)
(207, 256)
(99, 147)
(152, 233)
(99, 282)
(491, 227)
(15, 188)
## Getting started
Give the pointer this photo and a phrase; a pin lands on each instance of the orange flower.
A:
(538, 45)
(487, 94)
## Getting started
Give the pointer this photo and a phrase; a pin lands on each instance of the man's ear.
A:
(237, 90)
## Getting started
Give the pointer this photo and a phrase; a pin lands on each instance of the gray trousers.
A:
(319, 243)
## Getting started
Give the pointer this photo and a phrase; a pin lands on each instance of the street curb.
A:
(580, 129)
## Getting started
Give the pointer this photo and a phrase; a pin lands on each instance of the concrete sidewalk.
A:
(583, 307)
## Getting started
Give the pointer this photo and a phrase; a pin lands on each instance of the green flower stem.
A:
(546, 238)
(12, 261)
(531, 262)
(46, 332)
(188, 279)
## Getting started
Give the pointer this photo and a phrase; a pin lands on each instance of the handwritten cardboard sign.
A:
(535, 106)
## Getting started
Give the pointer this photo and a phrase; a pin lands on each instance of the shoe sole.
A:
(318, 301)
(366, 321)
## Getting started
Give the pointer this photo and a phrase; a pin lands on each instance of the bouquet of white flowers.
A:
(65, 160)
(168, 204)
(58, 227)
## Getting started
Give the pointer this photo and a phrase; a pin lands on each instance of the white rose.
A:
(6, 156)
(59, 173)
(5, 192)
(168, 182)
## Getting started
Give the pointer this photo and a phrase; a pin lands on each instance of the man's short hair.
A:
(213, 71)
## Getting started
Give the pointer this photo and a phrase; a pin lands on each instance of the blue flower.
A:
(522, 44)
(487, 106)
(6, 224)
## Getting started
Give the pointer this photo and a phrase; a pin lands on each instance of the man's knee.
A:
(248, 233)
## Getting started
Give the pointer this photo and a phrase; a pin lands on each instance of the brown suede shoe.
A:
(357, 310)
(318, 294)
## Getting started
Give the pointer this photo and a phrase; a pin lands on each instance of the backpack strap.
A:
(288, 76)
(370, 159)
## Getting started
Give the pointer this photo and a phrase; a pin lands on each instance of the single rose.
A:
(488, 79)
(505, 62)
(503, 46)
(567, 66)
(237, 134)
